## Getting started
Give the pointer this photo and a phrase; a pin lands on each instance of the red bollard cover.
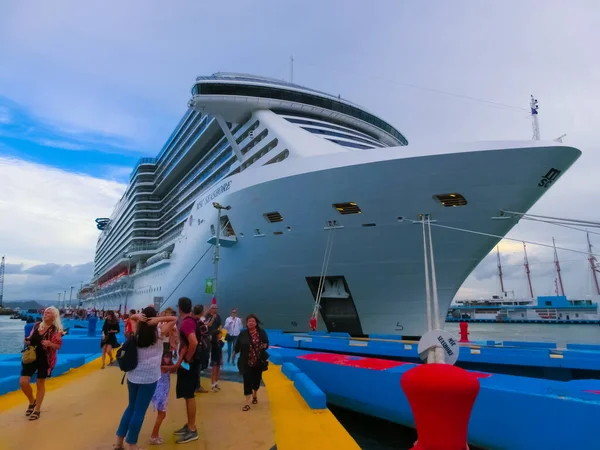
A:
(441, 397)
(464, 332)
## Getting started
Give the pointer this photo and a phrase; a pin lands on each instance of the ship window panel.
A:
(273, 217)
(350, 144)
(318, 123)
(336, 134)
(347, 208)
(451, 200)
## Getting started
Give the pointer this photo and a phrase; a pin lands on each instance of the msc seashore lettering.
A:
(214, 194)
(446, 346)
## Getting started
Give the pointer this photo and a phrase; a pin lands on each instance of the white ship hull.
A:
(382, 265)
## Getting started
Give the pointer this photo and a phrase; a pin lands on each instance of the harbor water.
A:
(11, 335)
(372, 433)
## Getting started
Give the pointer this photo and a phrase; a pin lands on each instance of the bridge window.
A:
(296, 97)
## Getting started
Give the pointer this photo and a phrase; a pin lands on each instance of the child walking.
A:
(161, 396)
(216, 359)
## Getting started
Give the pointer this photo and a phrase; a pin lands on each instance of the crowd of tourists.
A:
(185, 342)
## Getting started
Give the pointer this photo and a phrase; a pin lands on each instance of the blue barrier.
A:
(275, 357)
(9, 384)
(290, 370)
(92, 323)
(394, 337)
(10, 368)
(589, 347)
(76, 361)
(529, 359)
(543, 402)
(314, 397)
(61, 369)
(530, 344)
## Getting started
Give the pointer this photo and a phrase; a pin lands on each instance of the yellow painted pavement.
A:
(297, 427)
(82, 410)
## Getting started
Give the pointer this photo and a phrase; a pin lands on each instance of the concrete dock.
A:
(82, 409)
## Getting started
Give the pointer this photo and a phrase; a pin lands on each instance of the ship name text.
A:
(214, 194)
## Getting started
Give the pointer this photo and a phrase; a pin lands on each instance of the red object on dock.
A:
(464, 332)
(353, 361)
(313, 323)
(441, 398)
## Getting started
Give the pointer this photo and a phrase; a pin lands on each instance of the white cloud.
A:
(4, 116)
(60, 144)
(48, 214)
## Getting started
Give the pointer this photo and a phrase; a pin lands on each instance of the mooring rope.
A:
(481, 233)
(324, 267)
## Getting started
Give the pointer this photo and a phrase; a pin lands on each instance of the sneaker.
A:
(182, 431)
(156, 441)
(188, 437)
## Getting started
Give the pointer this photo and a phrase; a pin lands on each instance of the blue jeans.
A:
(231, 345)
(140, 396)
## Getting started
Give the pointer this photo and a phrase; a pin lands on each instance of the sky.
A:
(87, 88)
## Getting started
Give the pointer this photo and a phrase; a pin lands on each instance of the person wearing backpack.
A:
(145, 346)
(187, 369)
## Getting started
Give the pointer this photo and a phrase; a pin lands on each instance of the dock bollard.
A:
(92, 322)
(441, 397)
(464, 332)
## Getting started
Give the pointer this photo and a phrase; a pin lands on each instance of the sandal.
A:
(30, 409)
(246, 408)
(254, 401)
(34, 415)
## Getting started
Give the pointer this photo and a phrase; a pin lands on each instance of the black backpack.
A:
(127, 356)
(202, 336)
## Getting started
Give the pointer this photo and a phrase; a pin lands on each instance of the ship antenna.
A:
(533, 104)
(292, 69)
(558, 276)
(500, 271)
(593, 261)
(1, 281)
(527, 271)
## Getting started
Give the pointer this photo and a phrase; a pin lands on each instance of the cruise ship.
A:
(297, 187)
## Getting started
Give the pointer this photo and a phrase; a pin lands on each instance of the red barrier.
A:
(441, 397)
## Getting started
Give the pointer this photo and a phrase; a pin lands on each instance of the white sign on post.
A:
(442, 339)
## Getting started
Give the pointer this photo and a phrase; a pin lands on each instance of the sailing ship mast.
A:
(500, 272)
(559, 283)
(593, 266)
(527, 271)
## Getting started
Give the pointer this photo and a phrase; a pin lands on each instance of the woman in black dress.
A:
(109, 337)
(251, 346)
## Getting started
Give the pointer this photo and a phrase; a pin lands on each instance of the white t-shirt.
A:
(233, 326)
(147, 370)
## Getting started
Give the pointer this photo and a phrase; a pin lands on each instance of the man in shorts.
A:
(187, 369)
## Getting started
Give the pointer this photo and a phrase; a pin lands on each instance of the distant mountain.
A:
(27, 304)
